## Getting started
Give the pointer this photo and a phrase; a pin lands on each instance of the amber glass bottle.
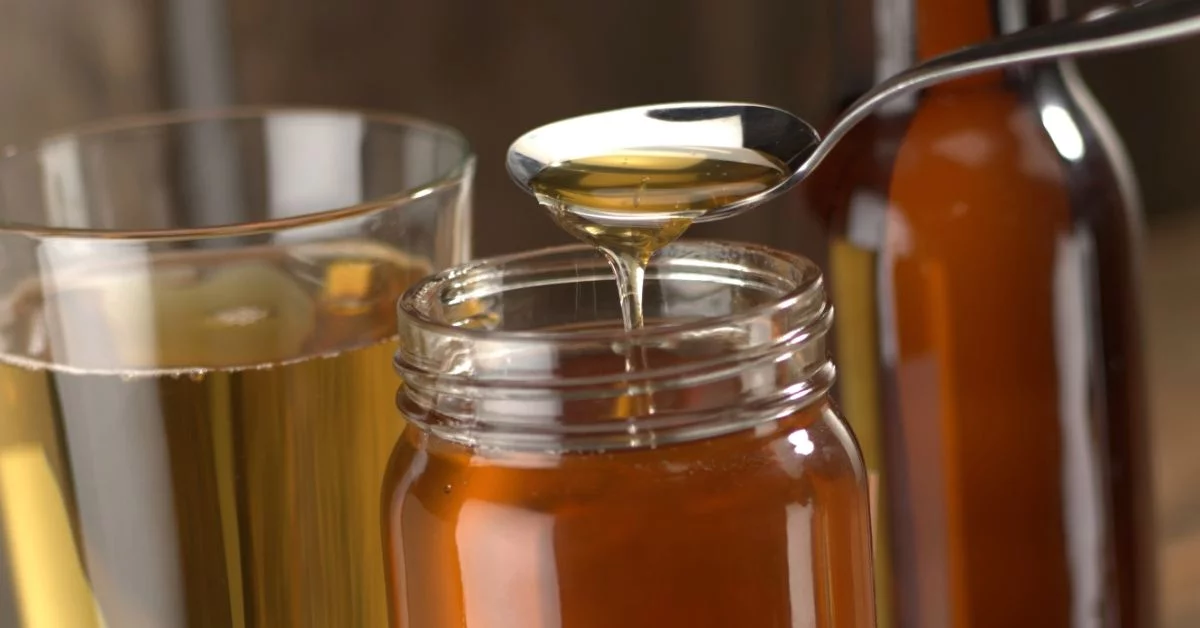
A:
(983, 264)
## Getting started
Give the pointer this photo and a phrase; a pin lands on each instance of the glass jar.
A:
(544, 483)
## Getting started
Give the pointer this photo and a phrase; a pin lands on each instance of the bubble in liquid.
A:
(447, 488)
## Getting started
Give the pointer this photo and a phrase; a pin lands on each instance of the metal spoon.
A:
(796, 143)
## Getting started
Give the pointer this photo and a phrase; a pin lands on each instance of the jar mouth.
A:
(529, 347)
(428, 305)
(758, 291)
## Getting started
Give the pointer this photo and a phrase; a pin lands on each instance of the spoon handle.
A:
(1153, 22)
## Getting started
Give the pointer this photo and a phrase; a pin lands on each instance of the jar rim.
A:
(414, 306)
(743, 343)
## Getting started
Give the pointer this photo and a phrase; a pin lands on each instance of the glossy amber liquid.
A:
(761, 528)
(632, 203)
(206, 445)
(649, 181)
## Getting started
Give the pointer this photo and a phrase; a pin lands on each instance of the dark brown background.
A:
(497, 68)
(494, 69)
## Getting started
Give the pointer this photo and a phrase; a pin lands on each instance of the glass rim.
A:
(160, 119)
(808, 288)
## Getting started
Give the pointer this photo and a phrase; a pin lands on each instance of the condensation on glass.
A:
(196, 323)
(544, 483)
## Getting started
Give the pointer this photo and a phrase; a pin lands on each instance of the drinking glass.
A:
(196, 326)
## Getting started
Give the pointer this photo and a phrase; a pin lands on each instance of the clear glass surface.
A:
(544, 484)
(196, 321)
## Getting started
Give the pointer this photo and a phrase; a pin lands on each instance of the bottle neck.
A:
(884, 37)
(942, 26)
(946, 25)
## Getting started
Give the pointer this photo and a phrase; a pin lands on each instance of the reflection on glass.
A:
(534, 490)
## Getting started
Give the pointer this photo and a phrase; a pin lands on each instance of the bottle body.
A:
(715, 486)
(983, 257)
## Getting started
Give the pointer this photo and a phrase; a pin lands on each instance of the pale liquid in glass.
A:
(200, 441)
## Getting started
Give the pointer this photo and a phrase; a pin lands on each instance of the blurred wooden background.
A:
(495, 69)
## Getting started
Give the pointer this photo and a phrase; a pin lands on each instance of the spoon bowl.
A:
(702, 125)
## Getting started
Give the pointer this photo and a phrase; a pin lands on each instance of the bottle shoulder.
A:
(1029, 138)
(987, 137)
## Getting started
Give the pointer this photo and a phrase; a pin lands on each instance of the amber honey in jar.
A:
(560, 472)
